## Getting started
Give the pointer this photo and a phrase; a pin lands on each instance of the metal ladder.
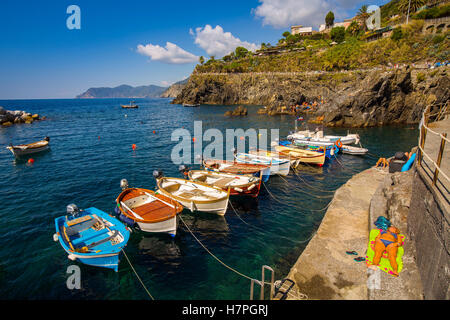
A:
(262, 284)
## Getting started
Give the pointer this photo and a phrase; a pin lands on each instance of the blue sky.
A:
(126, 42)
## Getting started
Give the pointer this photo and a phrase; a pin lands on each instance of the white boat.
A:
(238, 184)
(279, 166)
(195, 196)
(153, 213)
(25, 149)
(354, 150)
(318, 139)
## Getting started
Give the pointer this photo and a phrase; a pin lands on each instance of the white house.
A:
(301, 30)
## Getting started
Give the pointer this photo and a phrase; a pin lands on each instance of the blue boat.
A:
(91, 236)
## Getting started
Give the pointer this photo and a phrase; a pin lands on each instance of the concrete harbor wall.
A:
(324, 270)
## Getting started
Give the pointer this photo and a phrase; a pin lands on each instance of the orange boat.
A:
(152, 212)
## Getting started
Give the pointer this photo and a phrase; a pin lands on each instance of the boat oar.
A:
(135, 214)
(158, 199)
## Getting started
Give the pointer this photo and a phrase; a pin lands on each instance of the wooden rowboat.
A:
(277, 165)
(301, 156)
(154, 213)
(259, 170)
(91, 236)
(132, 105)
(354, 150)
(25, 149)
(238, 184)
(195, 196)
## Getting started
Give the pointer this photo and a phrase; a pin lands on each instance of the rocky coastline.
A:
(9, 117)
(362, 98)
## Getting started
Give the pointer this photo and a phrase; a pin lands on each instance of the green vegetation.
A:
(433, 13)
(297, 53)
(421, 77)
(397, 34)
(329, 19)
(338, 34)
(412, 5)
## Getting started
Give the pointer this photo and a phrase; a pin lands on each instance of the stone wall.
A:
(428, 227)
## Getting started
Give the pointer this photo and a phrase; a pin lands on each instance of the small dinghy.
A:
(132, 105)
(153, 213)
(317, 138)
(279, 164)
(298, 155)
(26, 149)
(240, 185)
(91, 236)
(195, 196)
(354, 150)
(257, 170)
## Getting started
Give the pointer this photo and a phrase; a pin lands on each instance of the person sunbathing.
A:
(388, 241)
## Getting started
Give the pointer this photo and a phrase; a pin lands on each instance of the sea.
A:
(212, 257)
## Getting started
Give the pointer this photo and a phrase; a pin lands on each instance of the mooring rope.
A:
(305, 182)
(270, 193)
(139, 278)
(344, 167)
(301, 190)
(262, 230)
(212, 255)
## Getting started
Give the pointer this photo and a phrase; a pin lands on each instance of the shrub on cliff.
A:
(338, 34)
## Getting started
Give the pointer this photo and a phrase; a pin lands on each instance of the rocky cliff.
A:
(174, 90)
(352, 99)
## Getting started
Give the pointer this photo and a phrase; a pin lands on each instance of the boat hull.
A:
(217, 206)
(167, 226)
(18, 152)
(102, 252)
(280, 167)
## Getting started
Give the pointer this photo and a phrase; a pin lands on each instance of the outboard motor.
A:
(73, 210)
(157, 174)
(47, 139)
(124, 184)
(183, 169)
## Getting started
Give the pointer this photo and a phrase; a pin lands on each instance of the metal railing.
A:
(433, 113)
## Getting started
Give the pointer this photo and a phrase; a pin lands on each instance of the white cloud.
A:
(218, 43)
(170, 54)
(284, 13)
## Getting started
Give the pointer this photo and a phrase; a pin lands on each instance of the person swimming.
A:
(389, 241)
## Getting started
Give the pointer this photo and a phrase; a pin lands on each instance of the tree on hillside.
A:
(362, 16)
(201, 60)
(354, 28)
(329, 19)
(415, 5)
(286, 34)
(338, 34)
(241, 52)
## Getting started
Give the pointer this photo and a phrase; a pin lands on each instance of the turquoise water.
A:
(91, 151)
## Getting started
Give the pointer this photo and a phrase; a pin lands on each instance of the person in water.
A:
(389, 241)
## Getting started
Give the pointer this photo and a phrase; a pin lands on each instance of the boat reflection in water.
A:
(160, 249)
(205, 225)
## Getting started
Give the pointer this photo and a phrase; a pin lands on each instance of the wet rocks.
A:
(8, 117)
(239, 111)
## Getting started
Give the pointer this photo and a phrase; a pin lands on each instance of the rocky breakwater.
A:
(239, 111)
(9, 118)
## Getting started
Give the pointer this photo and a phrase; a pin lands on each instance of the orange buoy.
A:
(133, 146)
(30, 161)
(154, 132)
(193, 139)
